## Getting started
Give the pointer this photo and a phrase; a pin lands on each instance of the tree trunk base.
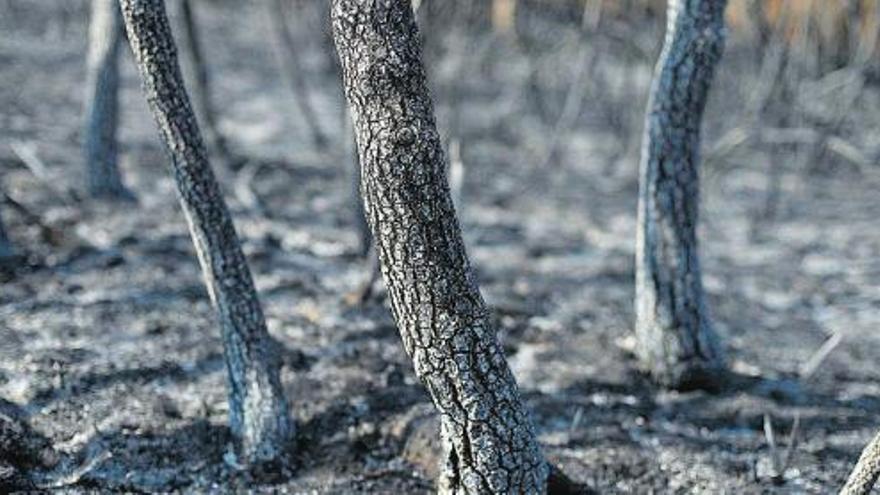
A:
(691, 375)
(419, 433)
(116, 193)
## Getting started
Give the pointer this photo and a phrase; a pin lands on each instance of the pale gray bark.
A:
(102, 102)
(676, 341)
(196, 76)
(258, 413)
(864, 476)
(488, 437)
(291, 69)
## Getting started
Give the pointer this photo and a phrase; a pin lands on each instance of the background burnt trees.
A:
(291, 69)
(102, 101)
(488, 438)
(258, 413)
(676, 341)
(197, 76)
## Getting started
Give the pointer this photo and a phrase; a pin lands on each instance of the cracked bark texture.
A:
(101, 109)
(488, 438)
(196, 75)
(258, 415)
(864, 476)
(676, 341)
(291, 69)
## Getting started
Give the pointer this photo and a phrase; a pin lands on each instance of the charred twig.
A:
(455, 174)
(770, 437)
(780, 461)
(792, 441)
(196, 73)
(27, 155)
(815, 361)
(244, 190)
(367, 290)
(48, 233)
(574, 99)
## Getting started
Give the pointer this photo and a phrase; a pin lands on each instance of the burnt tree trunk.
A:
(258, 413)
(676, 341)
(196, 75)
(365, 239)
(6, 250)
(291, 69)
(102, 102)
(488, 437)
(863, 477)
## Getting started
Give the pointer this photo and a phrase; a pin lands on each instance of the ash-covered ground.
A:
(110, 351)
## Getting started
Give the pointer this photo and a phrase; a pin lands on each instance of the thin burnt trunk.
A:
(101, 109)
(365, 239)
(196, 75)
(676, 341)
(6, 250)
(864, 476)
(488, 437)
(291, 69)
(258, 413)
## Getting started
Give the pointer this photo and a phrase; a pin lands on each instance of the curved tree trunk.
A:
(676, 341)
(258, 413)
(866, 472)
(488, 437)
(101, 102)
(196, 75)
(292, 70)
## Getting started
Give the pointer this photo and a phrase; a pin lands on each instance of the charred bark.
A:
(102, 102)
(258, 413)
(291, 69)
(488, 437)
(196, 75)
(864, 476)
(676, 341)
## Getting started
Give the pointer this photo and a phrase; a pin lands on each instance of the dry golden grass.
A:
(836, 27)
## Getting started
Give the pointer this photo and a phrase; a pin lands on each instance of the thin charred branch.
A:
(292, 70)
(258, 413)
(676, 341)
(197, 76)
